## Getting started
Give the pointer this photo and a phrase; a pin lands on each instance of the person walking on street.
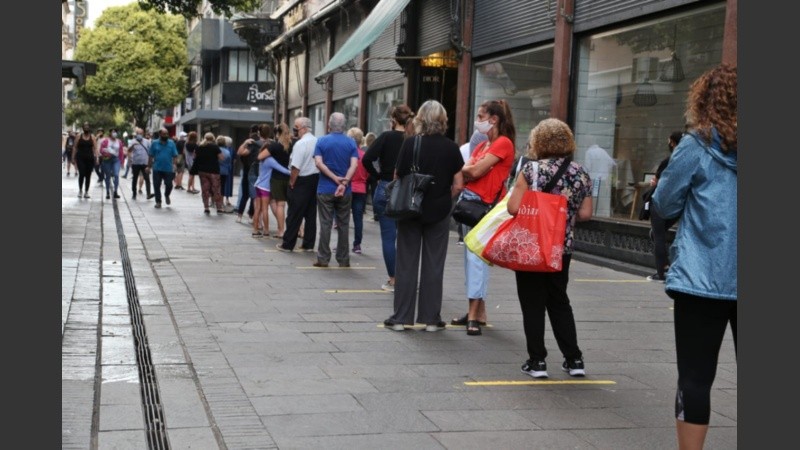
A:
(302, 197)
(699, 186)
(484, 178)
(659, 225)
(69, 142)
(384, 152)
(336, 157)
(189, 150)
(422, 241)
(112, 151)
(98, 169)
(206, 162)
(180, 166)
(546, 292)
(85, 157)
(226, 171)
(359, 186)
(138, 153)
(163, 158)
(248, 154)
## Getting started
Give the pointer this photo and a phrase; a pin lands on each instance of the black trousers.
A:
(85, 167)
(137, 170)
(302, 202)
(660, 226)
(700, 325)
(547, 291)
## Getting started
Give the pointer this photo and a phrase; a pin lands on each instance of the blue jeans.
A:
(359, 202)
(110, 168)
(476, 272)
(388, 228)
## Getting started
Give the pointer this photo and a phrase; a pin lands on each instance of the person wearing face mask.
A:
(484, 175)
(659, 225)
(302, 196)
(138, 154)
(112, 151)
(163, 159)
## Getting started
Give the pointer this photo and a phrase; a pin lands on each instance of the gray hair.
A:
(304, 121)
(431, 118)
(337, 122)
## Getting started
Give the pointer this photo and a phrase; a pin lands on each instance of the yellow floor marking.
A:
(422, 325)
(337, 267)
(590, 280)
(530, 383)
(356, 291)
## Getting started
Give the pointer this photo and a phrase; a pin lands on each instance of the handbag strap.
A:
(415, 156)
(552, 183)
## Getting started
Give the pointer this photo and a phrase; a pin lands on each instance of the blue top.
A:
(336, 150)
(225, 166)
(699, 186)
(265, 168)
(162, 153)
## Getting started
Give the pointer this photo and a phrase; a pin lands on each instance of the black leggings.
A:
(700, 325)
(85, 167)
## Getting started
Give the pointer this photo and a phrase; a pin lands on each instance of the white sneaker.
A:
(388, 286)
(238, 219)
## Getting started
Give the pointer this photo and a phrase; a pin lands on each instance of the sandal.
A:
(473, 328)
(463, 321)
(257, 234)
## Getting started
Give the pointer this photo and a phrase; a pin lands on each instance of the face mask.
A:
(163, 139)
(483, 127)
(138, 137)
(296, 132)
(114, 134)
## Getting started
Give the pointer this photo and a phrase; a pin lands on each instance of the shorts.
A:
(279, 189)
(261, 193)
(181, 164)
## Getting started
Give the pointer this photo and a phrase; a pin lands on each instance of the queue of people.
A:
(325, 180)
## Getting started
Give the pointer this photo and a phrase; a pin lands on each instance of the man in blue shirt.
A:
(163, 158)
(336, 157)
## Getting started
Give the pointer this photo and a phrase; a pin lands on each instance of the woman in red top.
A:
(485, 174)
(359, 186)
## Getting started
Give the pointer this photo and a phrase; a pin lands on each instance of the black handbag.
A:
(405, 194)
(471, 211)
(644, 213)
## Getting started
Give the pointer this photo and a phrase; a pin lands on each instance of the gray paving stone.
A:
(181, 404)
(118, 350)
(418, 384)
(574, 418)
(278, 405)
(309, 387)
(192, 438)
(428, 401)
(121, 417)
(340, 423)
(122, 440)
(378, 371)
(636, 438)
(421, 441)
(479, 420)
(536, 439)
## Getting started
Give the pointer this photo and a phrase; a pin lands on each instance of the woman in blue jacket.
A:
(699, 187)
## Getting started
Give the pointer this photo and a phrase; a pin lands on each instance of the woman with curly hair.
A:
(541, 292)
(699, 187)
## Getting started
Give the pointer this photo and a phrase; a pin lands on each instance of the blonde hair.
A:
(208, 137)
(431, 118)
(221, 140)
(357, 135)
(552, 138)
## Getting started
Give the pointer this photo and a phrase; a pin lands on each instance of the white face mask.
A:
(483, 127)
(114, 134)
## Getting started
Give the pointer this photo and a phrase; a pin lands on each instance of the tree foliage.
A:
(98, 116)
(142, 61)
(191, 8)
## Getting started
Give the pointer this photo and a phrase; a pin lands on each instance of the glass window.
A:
(233, 65)
(317, 115)
(524, 81)
(630, 96)
(349, 107)
(379, 108)
(244, 60)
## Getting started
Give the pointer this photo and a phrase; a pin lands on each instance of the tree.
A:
(191, 8)
(142, 61)
(98, 116)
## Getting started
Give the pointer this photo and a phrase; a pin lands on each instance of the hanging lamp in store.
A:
(645, 94)
(672, 70)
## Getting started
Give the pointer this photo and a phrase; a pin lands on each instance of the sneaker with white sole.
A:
(574, 367)
(393, 326)
(388, 286)
(536, 369)
(439, 326)
(655, 277)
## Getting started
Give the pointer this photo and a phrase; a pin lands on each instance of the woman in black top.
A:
(85, 157)
(188, 154)
(279, 182)
(659, 225)
(206, 162)
(423, 241)
(384, 152)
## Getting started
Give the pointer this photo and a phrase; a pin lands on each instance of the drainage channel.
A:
(151, 400)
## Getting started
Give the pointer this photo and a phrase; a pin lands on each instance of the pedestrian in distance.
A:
(302, 196)
(189, 149)
(206, 162)
(180, 166)
(659, 225)
(267, 165)
(359, 185)
(112, 152)
(163, 158)
(279, 149)
(422, 241)
(138, 155)
(699, 187)
(546, 292)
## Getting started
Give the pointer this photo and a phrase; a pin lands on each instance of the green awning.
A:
(381, 16)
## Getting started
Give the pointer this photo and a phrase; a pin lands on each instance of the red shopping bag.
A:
(533, 240)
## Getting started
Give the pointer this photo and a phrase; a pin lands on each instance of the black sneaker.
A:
(574, 367)
(166, 198)
(536, 369)
(388, 324)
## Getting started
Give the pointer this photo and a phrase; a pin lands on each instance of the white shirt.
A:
(303, 155)
(465, 152)
(598, 163)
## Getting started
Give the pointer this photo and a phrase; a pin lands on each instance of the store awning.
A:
(384, 13)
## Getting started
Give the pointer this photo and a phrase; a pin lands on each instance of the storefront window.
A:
(631, 94)
(379, 108)
(318, 120)
(524, 81)
(349, 107)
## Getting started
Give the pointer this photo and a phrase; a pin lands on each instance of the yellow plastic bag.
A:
(479, 235)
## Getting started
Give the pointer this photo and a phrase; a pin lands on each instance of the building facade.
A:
(617, 71)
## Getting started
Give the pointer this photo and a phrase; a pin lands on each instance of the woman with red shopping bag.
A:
(547, 291)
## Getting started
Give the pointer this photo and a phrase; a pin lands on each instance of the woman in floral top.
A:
(538, 292)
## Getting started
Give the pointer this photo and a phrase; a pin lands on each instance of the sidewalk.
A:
(253, 348)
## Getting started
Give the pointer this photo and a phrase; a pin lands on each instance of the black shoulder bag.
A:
(404, 195)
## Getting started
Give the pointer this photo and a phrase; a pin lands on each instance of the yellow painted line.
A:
(422, 325)
(337, 267)
(532, 383)
(356, 291)
(589, 280)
